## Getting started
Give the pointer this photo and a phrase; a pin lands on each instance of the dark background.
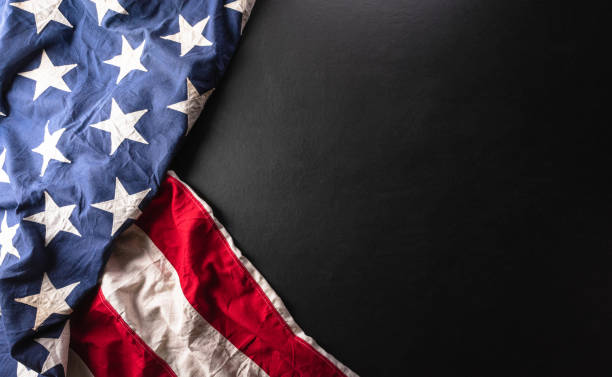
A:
(425, 183)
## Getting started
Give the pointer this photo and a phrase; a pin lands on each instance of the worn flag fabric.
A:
(177, 298)
(96, 94)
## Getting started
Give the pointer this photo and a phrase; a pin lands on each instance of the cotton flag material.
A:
(177, 298)
(96, 95)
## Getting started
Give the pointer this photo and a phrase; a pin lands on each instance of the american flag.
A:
(109, 265)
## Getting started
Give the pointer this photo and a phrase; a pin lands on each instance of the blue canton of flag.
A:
(96, 95)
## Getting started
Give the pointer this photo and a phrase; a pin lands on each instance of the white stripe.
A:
(144, 288)
(265, 286)
(76, 366)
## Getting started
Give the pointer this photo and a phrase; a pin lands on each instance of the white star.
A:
(49, 301)
(58, 349)
(242, 6)
(44, 11)
(121, 126)
(103, 6)
(128, 60)
(238, 5)
(189, 36)
(3, 176)
(48, 75)
(193, 105)
(55, 219)
(23, 371)
(7, 233)
(48, 148)
(124, 206)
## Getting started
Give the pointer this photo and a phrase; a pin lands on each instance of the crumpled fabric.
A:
(36, 109)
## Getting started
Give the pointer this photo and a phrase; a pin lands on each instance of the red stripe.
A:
(221, 289)
(109, 347)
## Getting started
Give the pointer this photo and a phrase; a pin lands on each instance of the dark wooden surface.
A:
(425, 183)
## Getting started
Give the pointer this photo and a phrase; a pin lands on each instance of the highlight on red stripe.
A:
(108, 346)
(221, 289)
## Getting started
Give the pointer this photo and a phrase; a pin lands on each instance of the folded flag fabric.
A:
(96, 94)
(177, 298)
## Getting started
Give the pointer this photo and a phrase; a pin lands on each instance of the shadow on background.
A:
(425, 183)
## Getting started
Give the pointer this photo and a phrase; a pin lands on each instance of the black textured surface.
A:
(425, 183)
